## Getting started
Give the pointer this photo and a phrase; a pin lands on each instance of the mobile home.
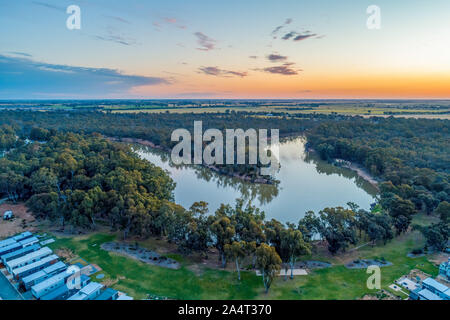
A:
(11, 248)
(28, 259)
(23, 236)
(108, 294)
(7, 242)
(41, 289)
(437, 288)
(19, 253)
(37, 277)
(89, 292)
(57, 294)
(65, 291)
(34, 267)
(124, 297)
(29, 241)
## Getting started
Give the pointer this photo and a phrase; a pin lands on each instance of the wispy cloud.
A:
(215, 71)
(169, 21)
(305, 36)
(23, 54)
(294, 35)
(119, 19)
(285, 69)
(48, 5)
(289, 35)
(26, 78)
(206, 43)
(275, 57)
(277, 29)
(115, 37)
(299, 36)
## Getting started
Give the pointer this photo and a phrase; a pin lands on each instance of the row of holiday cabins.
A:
(39, 270)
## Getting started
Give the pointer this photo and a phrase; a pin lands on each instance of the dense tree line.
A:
(341, 227)
(239, 233)
(156, 128)
(436, 236)
(8, 138)
(409, 156)
(81, 179)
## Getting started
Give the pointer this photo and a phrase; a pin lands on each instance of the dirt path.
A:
(358, 247)
(141, 254)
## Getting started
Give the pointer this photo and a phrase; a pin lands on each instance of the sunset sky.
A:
(224, 49)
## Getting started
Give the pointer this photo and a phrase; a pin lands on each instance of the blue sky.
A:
(197, 48)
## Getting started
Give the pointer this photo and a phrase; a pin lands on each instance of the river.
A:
(306, 183)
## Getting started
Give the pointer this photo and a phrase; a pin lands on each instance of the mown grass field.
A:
(338, 282)
(344, 109)
(197, 281)
(139, 279)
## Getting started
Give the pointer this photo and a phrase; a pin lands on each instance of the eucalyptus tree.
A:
(269, 263)
(237, 251)
(337, 226)
(222, 227)
(292, 246)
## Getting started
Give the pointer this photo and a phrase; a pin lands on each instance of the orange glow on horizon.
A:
(382, 86)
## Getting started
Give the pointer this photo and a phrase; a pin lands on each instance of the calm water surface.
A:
(306, 183)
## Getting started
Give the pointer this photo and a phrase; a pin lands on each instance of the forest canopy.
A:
(79, 180)
(410, 158)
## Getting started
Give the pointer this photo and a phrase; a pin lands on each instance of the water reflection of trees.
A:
(324, 167)
(249, 191)
(264, 193)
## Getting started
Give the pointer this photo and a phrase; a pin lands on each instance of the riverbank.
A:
(362, 172)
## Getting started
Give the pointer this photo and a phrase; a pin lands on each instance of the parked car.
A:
(8, 215)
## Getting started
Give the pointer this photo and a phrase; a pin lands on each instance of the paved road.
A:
(7, 291)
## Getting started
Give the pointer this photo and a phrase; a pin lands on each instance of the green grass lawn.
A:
(139, 279)
(195, 281)
(338, 282)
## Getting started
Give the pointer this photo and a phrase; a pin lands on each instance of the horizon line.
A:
(230, 99)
